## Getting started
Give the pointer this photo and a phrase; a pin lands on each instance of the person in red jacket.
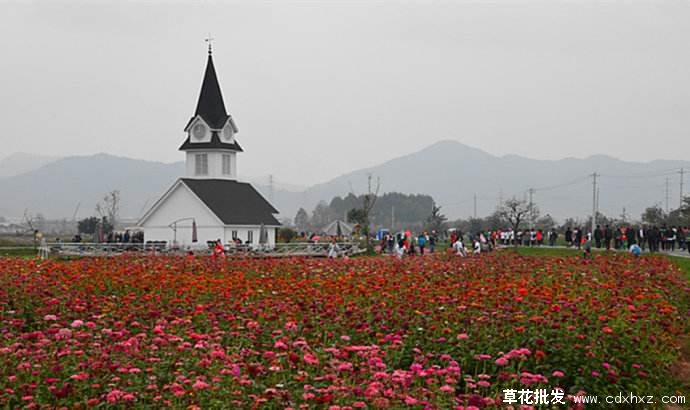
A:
(218, 250)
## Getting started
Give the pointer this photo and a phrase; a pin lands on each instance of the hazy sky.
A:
(321, 88)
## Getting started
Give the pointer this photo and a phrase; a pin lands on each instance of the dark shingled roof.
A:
(214, 143)
(211, 106)
(235, 203)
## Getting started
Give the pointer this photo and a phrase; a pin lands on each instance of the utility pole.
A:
(393, 218)
(500, 198)
(666, 195)
(531, 209)
(270, 187)
(594, 202)
(475, 206)
(682, 171)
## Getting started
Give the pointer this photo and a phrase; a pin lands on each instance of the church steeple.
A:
(210, 145)
(210, 105)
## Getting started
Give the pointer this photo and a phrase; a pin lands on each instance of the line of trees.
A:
(391, 210)
(398, 211)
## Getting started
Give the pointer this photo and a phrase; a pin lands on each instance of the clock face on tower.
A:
(227, 133)
(199, 131)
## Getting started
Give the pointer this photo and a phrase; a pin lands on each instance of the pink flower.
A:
(501, 361)
(200, 385)
(80, 376)
(177, 390)
(411, 401)
(63, 333)
(49, 317)
(447, 389)
(280, 345)
(557, 373)
(310, 359)
(345, 367)
(114, 396)
(77, 323)
(463, 336)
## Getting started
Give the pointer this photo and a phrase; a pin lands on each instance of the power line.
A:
(573, 182)
(646, 175)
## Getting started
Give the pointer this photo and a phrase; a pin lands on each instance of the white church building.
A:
(209, 203)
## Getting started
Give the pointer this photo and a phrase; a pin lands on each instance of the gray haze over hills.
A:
(319, 88)
(21, 162)
(449, 171)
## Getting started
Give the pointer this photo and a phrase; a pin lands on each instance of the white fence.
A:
(256, 250)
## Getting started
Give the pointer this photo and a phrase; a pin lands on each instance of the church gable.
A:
(179, 202)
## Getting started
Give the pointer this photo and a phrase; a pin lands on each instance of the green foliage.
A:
(654, 215)
(411, 211)
(286, 234)
(436, 221)
(90, 225)
(302, 219)
(357, 215)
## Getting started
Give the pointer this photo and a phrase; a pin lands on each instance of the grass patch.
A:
(682, 263)
(28, 251)
(543, 251)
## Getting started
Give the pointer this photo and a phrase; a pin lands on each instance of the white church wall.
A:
(243, 233)
(215, 164)
(181, 203)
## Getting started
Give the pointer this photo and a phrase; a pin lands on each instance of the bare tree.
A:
(109, 207)
(515, 211)
(369, 201)
(29, 220)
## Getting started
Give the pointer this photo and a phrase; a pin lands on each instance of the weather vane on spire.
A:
(209, 40)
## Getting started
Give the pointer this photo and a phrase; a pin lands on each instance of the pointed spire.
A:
(211, 106)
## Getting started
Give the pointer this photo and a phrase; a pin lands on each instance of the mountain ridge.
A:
(452, 172)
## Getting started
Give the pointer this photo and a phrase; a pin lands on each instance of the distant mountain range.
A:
(453, 173)
(21, 162)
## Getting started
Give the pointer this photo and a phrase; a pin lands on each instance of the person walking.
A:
(421, 240)
(597, 237)
(333, 249)
(641, 237)
(630, 235)
(553, 236)
(608, 235)
(578, 237)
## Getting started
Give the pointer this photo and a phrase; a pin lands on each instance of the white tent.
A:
(338, 228)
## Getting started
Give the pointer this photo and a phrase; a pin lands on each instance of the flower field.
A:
(432, 332)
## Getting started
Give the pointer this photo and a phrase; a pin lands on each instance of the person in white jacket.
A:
(459, 248)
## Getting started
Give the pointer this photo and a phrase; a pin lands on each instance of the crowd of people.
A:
(626, 237)
(405, 243)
